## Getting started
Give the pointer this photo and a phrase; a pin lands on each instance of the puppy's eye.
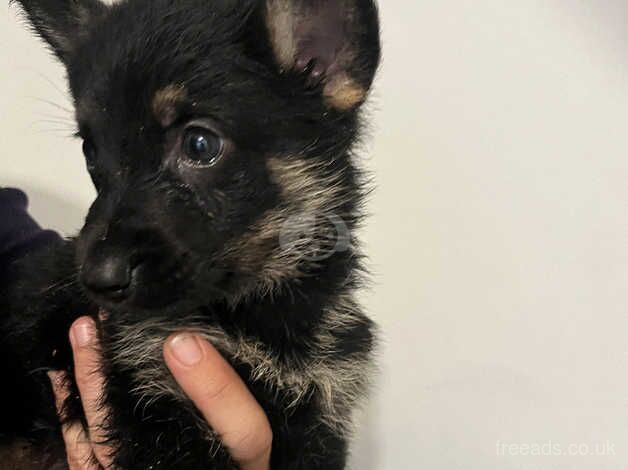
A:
(202, 146)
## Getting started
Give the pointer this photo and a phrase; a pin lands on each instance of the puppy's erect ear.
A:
(61, 22)
(334, 43)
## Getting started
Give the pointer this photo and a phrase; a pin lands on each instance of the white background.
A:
(499, 235)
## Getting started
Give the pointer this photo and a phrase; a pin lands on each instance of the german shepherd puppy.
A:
(220, 136)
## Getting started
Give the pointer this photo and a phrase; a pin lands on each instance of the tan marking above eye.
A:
(166, 103)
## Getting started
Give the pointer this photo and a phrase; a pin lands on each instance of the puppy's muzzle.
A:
(117, 273)
(109, 273)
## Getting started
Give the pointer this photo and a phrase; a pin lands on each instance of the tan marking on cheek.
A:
(344, 93)
(309, 193)
(166, 104)
(255, 253)
(280, 19)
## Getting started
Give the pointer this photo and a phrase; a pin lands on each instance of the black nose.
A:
(108, 275)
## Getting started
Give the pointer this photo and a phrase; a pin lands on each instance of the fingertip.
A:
(87, 359)
(83, 332)
(185, 349)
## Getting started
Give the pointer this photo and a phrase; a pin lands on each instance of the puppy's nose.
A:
(108, 275)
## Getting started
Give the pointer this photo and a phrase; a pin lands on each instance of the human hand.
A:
(202, 373)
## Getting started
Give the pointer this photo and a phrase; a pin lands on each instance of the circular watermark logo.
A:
(315, 236)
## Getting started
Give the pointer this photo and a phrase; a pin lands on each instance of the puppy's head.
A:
(218, 135)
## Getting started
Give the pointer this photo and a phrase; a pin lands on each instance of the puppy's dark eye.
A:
(202, 146)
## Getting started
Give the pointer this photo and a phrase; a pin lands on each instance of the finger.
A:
(77, 446)
(91, 384)
(223, 399)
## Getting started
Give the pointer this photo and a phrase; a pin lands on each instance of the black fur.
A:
(177, 245)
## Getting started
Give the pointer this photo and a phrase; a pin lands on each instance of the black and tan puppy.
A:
(220, 137)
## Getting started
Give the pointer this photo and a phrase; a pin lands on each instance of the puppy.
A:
(220, 137)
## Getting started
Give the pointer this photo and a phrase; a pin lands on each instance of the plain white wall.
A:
(499, 235)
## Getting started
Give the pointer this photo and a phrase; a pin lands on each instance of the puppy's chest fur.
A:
(331, 369)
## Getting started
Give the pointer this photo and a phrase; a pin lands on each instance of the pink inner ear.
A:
(320, 35)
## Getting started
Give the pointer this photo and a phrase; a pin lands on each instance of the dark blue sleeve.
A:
(19, 233)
